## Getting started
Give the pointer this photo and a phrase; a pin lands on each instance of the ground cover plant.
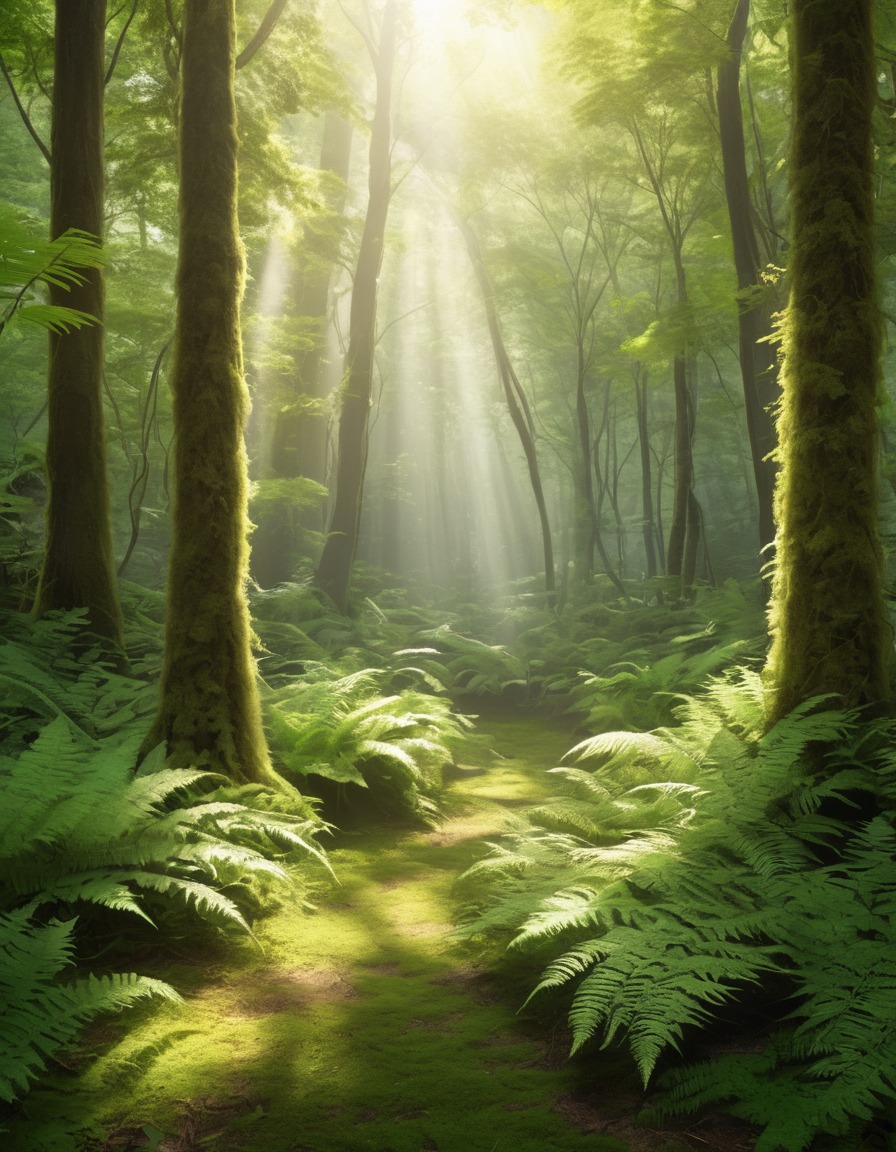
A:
(358, 1026)
(168, 837)
(683, 868)
(330, 730)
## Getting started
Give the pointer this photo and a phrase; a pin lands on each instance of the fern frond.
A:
(39, 1015)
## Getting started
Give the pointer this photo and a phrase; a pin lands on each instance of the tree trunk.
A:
(586, 484)
(691, 545)
(300, 434)
(828, 622)
(516, 402)
(299, 446)
(647, 523)
(78, 569)
(604, 486)
(684, 469)
(209, 712)
(334, 572)
(757, 355)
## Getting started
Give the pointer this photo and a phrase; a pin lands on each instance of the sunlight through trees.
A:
(447, 519)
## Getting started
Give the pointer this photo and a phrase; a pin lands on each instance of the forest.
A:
(447, 492)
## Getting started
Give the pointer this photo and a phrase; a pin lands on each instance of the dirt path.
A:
(362, 1027)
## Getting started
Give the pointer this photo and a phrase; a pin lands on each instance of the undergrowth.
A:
(80, 829)
(361, 748)
(683, 873)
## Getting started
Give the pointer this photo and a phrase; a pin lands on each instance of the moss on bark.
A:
(209, 712)
(78, 569)
(827, 617)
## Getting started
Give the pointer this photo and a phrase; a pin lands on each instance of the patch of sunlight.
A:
(355, 1027)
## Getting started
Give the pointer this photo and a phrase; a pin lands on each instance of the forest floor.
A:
(362, 1026)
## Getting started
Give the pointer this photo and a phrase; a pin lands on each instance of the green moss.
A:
(827, 617)
(209, 712)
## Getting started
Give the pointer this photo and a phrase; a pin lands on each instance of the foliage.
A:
(167, 837)
(342, 730)
(468, 666)
(20, 531)
(55, 667)
(39, 1014)
(622, 665)
(26, 264)
(693, 863)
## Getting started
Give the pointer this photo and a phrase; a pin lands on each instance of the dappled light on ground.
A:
(360, 1026)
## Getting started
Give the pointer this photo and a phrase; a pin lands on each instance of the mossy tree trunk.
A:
(828, 623)
(334, 571)
(209, 712)
(78, 569)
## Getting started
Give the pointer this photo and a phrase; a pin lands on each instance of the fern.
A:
(26, 263)
(158, 837)
(469, 666)
(55, 667)
(343, 730)
(38, 1014)
(745, 867)
(53, 848)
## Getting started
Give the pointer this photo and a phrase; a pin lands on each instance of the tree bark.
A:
(516, 402)
(300, 435)
(647, 523)
(758, 364)
(684, 469)
(209, 713)
(827, 615)
(334, 572)
(78, 569)
(299, 439)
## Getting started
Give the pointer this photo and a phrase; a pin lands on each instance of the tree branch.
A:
(118, 44)
(26, 119)
(265, 28)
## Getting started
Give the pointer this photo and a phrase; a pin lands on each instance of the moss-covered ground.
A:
(359, 1027)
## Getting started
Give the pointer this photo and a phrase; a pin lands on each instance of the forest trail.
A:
(362, 1027)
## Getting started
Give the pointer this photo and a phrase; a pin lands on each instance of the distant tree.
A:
(209, 711)
(78, 569)
(300, 436)
(515, 398)
(757, 354)
(828, 620)
(334, 571)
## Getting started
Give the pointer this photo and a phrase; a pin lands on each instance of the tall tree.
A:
(828, 622)
(757, 354)
(334, 571)
(677, 187)
(515, 398)
(209, 711)
(78, 569)
(300, 436)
